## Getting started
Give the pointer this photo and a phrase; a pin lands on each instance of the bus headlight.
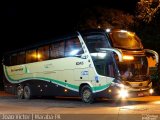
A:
(123, 93)
(151, 91)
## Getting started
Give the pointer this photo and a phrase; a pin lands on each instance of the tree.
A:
(104, 18)
(147, 9)
(98, 17)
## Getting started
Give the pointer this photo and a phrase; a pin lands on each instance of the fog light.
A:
(151, 91)
(123, 93)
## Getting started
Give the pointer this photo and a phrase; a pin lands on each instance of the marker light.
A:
(65, 90)
(108, 30)
(128, 57)
(123, 93)
(123, 31)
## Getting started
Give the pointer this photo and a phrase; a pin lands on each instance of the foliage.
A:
(150, 33)
(147, 24)
(104, 18)
(148, 29)
(147, 9)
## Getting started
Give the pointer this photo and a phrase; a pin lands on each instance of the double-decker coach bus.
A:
(89, 64)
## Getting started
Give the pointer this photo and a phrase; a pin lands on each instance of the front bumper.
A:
(121, 91)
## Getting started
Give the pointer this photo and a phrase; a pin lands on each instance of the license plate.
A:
(140, 94)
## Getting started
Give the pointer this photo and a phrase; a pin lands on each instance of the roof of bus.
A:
(43, 42)
(107, 30)
(59, 38)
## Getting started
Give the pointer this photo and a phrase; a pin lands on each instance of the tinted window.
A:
(14, 59)
(104, 63)
(31, 56)
(73, 47)
(21, 58)
(126, 40)
(137, 67)
(6, 60)
(43, 53)
(57, 50)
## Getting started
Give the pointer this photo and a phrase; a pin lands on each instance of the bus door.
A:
(75, 52)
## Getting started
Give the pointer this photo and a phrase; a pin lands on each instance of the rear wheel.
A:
(27, 92)
(20, 93)
(86, 94)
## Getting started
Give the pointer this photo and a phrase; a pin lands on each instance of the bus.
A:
(88, 64)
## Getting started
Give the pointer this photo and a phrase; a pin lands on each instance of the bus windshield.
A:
(135, 70)
(125, 40)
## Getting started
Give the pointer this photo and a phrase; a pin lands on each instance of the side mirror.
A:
(115, 50)
(154, 53)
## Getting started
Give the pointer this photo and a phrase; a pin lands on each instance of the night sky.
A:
(27, 22)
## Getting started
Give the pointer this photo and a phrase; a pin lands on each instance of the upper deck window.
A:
(125, 40)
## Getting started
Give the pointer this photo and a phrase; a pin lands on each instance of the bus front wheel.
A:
(27, 92)
(86, 94)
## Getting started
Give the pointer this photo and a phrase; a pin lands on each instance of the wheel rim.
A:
(20, 92)
(26, 92)
(86, 95)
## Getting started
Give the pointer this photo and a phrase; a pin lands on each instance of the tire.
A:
(86, 94)
(27, 92)
(19, 92)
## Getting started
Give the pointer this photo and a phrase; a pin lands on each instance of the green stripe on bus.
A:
(41, 78)
(101, 87)
(98, 88)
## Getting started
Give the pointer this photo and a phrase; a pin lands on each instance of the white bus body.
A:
(69, 67)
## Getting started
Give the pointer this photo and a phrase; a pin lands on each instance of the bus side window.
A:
(57, 50)
(6, 60)
(31, 56)
(73, 47)
(53, 51)
(21, 57)
(43, 53)
(14, 59)
(111, 70)
(61, 49)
